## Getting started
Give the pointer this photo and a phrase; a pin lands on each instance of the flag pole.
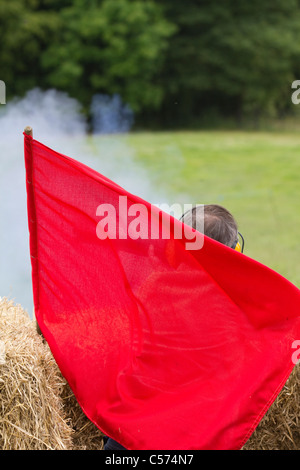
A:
(28, 131)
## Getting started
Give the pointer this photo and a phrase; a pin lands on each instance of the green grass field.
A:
(254, 174)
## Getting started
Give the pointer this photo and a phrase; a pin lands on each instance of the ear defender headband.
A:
(239, 246)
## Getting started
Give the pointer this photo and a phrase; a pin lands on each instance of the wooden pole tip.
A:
(28, 130)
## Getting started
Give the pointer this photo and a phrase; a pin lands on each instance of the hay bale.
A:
(38, 409)
(280, 427)
(86, 436)
(32, 415)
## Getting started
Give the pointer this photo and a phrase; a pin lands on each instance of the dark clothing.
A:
(113, 445)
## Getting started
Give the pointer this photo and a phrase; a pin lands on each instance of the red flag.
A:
(164, 347)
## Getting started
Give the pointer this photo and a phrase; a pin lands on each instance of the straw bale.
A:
(38, 410)
(280, 427)
(31, 409)
(86, 435)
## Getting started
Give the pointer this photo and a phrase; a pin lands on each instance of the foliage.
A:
(85, 47)
(173, 62)
(238, 57)
(25, 32)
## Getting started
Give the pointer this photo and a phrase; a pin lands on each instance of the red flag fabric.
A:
(164, 347)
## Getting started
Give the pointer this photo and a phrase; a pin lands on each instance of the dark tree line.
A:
(175, 63)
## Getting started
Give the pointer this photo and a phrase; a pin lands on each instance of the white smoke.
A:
(57, 122)
(110, 115)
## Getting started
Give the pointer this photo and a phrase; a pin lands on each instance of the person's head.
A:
(218, 223)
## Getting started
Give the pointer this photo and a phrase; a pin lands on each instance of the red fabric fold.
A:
(164, 347)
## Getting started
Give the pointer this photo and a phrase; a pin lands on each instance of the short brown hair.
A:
(219, 223)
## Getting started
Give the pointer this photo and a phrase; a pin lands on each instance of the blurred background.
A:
(179, 102)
